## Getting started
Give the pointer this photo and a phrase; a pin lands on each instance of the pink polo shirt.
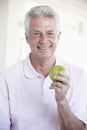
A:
(27, 103)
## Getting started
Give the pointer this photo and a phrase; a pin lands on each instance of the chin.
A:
(45, 57)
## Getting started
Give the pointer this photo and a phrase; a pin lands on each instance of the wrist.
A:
(62, 102)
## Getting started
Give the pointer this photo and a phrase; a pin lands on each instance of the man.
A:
(29, 100)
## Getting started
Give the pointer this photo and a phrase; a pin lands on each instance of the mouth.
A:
(42, 47)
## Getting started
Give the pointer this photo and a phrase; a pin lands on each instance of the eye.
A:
(51, 34)
(36, 34)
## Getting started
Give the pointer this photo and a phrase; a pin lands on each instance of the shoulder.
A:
(73, 71)
(12, 70)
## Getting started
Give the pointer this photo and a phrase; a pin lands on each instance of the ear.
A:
(59, 34)
(27, 38)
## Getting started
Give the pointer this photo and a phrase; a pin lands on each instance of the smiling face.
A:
(42, 38)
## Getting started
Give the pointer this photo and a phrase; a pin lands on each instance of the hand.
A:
(61, 87)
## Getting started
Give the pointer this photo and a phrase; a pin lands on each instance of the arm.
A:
(4, 106)
(68, 121)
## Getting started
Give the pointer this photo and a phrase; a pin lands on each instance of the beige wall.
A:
(12, 14)
(3, 31)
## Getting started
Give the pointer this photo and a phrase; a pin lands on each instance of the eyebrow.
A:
(40, 31)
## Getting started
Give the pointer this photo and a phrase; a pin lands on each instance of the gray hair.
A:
(41, 11)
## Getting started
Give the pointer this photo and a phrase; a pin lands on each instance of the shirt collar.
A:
(29, 70)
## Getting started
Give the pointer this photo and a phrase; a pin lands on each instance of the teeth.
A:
(43, 47)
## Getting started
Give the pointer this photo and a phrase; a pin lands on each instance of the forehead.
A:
(42, 22)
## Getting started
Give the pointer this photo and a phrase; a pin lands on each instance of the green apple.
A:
(55, 71)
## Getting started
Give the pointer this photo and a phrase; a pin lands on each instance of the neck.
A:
(43, 66)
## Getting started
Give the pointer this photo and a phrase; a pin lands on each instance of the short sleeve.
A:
(79, 105)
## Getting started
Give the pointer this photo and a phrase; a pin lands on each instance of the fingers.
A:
(61, 87)
(63, 81)
(62, 78)
(57, 84)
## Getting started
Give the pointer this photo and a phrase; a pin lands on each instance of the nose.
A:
(43, 38)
